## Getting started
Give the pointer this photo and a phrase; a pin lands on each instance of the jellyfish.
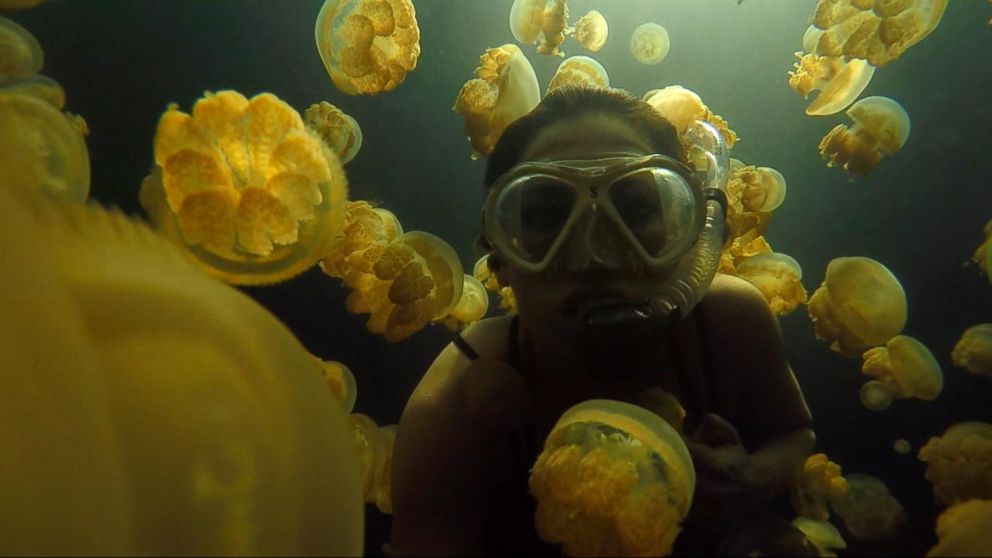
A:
(374, 447)
(959, 463)
(251, 192)
(579, 71)
(838, 81)
(983, 254)
(901, 446)
(471, 306)
(18, 4)
(878, 31)
(751, 196)
(963, 530)
(488, 279)
(20, 54)
(341, 382)
(876, 395)
(906, 367)
(613, 479)
(544, 22)
(663, 404)
(365, 227)
(742, 247)
(367, 46)
(649, 43)
(778, 277)
(390, 223)
(504, 89)
(821, 534)
(338, 130)
(769, 193)
(591, 31)
(819, 483)
(860, 305)
(974, 350)
(881, 127)
(869, 510)
(682, 107)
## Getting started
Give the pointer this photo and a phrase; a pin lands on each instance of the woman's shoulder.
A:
(735, 302)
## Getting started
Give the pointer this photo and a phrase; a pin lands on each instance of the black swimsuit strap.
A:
(464, 347)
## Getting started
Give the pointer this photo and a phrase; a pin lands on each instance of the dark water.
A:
(920, 212)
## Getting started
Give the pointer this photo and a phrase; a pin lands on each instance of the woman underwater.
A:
(594, 218)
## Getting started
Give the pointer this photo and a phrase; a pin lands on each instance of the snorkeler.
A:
(608, 239)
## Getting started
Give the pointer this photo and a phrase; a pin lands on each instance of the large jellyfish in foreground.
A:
(591, 31)
(974, 350)
(613, 479)
(963, 530)
(338, 130)
(905, 367)
(959, 463)
(544, 22)
(579, 71)
(649, 43)
(151, 409)
(367, 46)
(860, 305)
(682, 107)
(245, 187)
(869, 510)
(881, 127)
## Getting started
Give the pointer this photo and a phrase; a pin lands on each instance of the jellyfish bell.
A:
(338, 130)
(772, 192)
(544, 22)
(974, 350)
(579, 71)
(962, 530)
(868, 509)
(650, 43)
(810, 38)
(778, 277)
(876, 395)
(678, 105)
(471, 307)
(907, 367)
(591, 31)
(20, 54)
(838, 81)
(526, 20)
(341, 381)
(957, 462)
(881, 127)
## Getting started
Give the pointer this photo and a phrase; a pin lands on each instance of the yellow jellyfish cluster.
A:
(579, 71)
(41, 147)
(339, 131)
(868, 509)
(902, 368)
(591, 31)
(367, 46)
(818, 485)
(471, 306)
(341, 382)
(649, 43)
(983, 254)
(544, 22)
(839, 81)
(963, 530)
(859, 305)
(974, 350)
(153, 409)
(374, 447)
(242, 184)
(881, 127)
(488, 279)
(402, 280)
(959, 463)
(613, 480)
(504, 89)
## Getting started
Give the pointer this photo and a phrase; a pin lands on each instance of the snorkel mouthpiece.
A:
(597, 314)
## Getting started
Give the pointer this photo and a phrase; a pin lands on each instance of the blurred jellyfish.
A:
(613, 479)
(878, 31)
(338, 130)
(579, 71)
(839, 81)
(591, 31)
(959, 463)
(504, 89)
(742, 247)
(822, 534)
(20, 54)
(901, 446)
(374, 447)
(974, 350)
(341, 382)
(488, 279)
(245, 187)
(860, 305)
(876, 395)
(650, 43)
(682, 107)
(544, 22)
(367, 46)
(881, 127)
(818, 484)
(906, 367)
(869, 510)
(365, 232)
(778, 277)
(983, 254)
(471, 306)
(963, 530)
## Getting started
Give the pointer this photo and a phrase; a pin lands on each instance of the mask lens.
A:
(532, 211)
(656, 205)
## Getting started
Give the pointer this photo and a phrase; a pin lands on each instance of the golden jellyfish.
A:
(341, 382)
(878, 31)
(769, 193)
(613, 479)
(544, 22)
(374, 447)
(860, 305)
(682, 107)
(243, 185)
(838, 81)
(488, 279)
(983, 254)
(153, 409)
(963, 530)
(869, 510)
(471, 306)
(881, 127)
(579, 71)
(974, 350)
(959, 463)
(338, 130)
(366, 231)
(390, 223)
(650, 43)
(906, 367)
(591, 31)
(748, 192)
(367, 46)
(20, 54)
(876, 395)
(504, 89)
(817, 486)
(821, 534)
(779, 278)
(901, 446)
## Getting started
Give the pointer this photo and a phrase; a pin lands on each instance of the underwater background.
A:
(920, 212)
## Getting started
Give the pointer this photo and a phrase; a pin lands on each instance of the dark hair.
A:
(571, 102)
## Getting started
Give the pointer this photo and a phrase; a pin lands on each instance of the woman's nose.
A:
(594, 242)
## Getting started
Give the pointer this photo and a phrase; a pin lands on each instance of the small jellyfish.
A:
(974, 350)
(821, 534)
(364, 228)
(742, 247)
(338, 130)
(488, 279)
(579, 71)
(374, 447)
(613, 479)
(390, 223)
(367, 46)
(839, 81)
(983, 254)
(544, 22)
(901, 446)
(471, 306)
(963, 530)
(817, 486)
(20, 54)
(341, 382)
(682, 107)
(769, 193)
(591, 31)
(869, 510)
(878, 31)
(906, 367)
(504, 89)
(860, 305)
(959, 463)
(778, 276)
(881, 127)
(876, 395)
(650, 43)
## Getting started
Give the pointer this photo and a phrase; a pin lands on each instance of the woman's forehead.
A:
(586, 137)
